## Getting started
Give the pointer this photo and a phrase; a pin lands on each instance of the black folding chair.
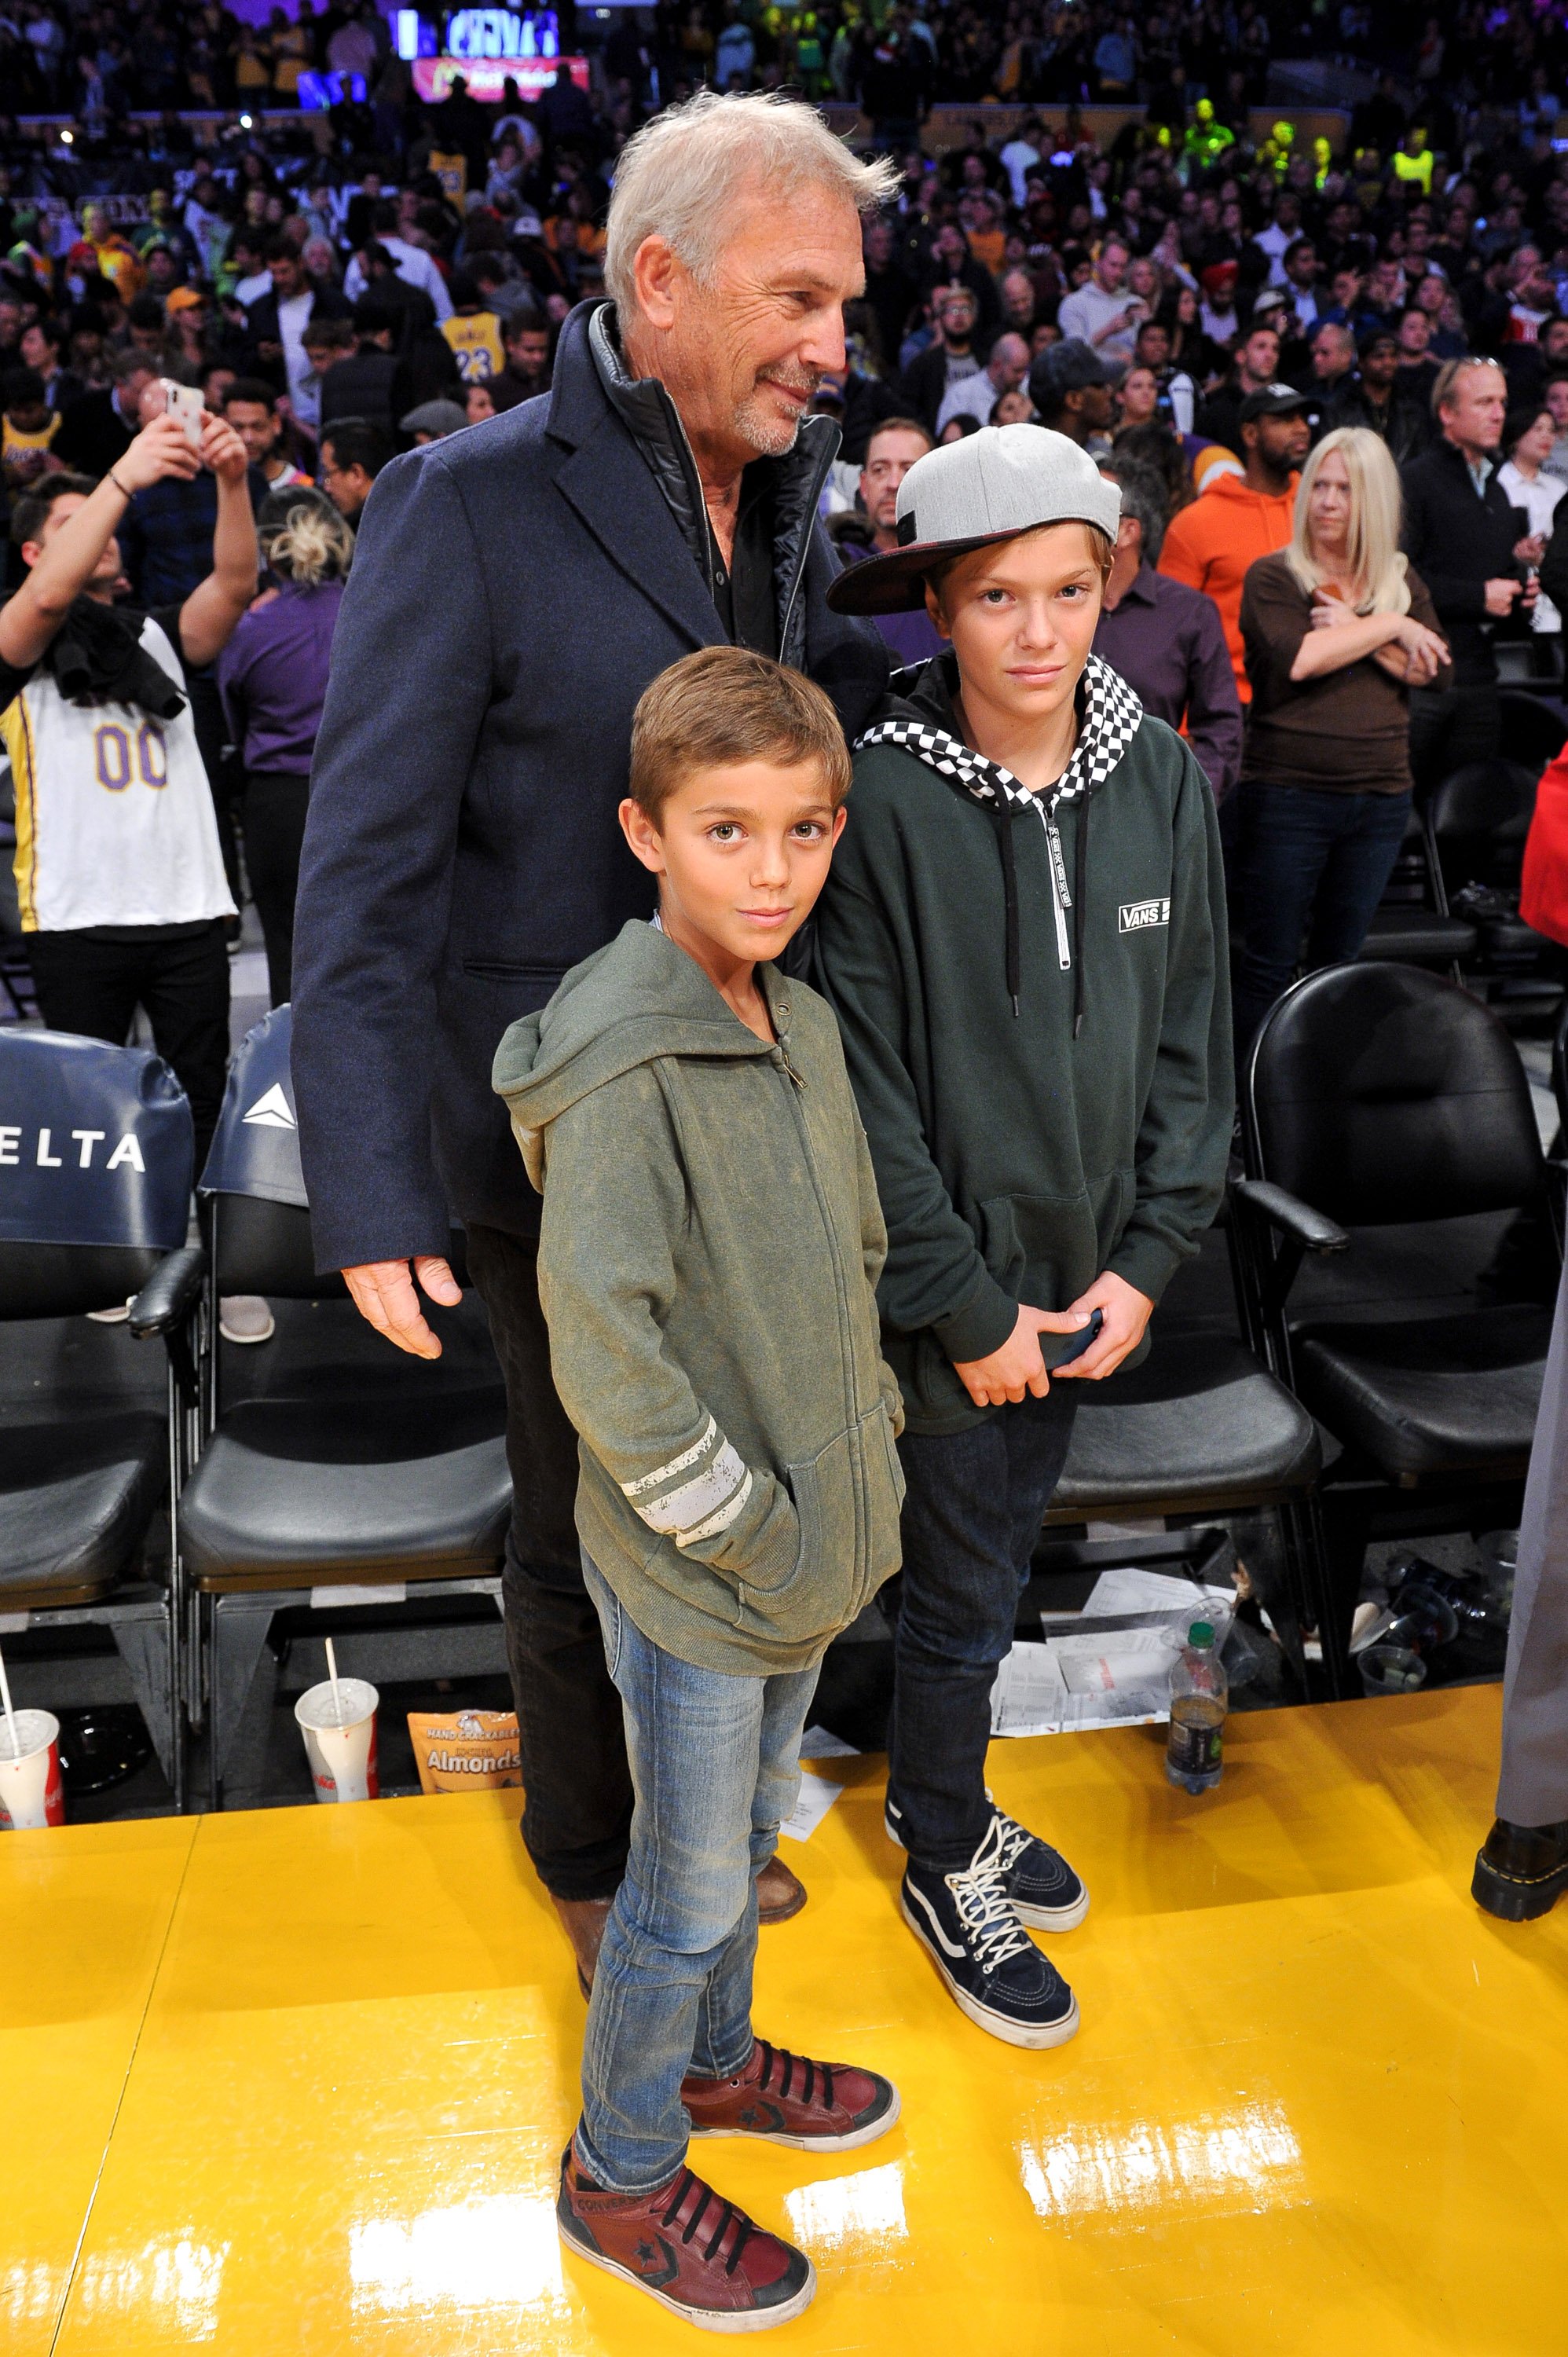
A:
(354, 1483)
(1395, 1255)
(95, 1169)
(1200, 1429)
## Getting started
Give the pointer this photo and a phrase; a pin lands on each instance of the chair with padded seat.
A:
(1395, 1253)
(95, 1171)
(328, 1464)
(1476, 822)
(1201, 1428)
(1532, 724)
(1413, 924)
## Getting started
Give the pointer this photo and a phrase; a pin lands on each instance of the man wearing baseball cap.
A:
(1023, 937)
(1240, 518)
(1069, 385)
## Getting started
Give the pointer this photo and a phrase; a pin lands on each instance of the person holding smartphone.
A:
(119, 871)
(1024, 940)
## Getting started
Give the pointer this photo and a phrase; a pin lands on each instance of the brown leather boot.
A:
(584, 1920)
(779, 1893)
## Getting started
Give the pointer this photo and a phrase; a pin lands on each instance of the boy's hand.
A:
(1017, 1367)
(158, 454)
(222, 450)
(1124, 1312)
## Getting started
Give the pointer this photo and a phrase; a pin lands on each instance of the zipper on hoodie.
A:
(1061, 897)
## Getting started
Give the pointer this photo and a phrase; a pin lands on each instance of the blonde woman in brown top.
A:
(1337, 629)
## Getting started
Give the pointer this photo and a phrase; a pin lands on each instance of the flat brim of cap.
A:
(895, 583)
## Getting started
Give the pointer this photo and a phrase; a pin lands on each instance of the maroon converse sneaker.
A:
(783, 2099)
(697, 2253)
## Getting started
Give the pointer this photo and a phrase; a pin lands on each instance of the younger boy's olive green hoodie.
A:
(708, 1258)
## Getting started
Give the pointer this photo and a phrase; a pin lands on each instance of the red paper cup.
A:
(31, 1792)
(341, 1749)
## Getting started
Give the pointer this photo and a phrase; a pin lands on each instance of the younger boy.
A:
(708, 1253)
(1023, 941)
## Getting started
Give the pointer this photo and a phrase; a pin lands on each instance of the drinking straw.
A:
(10, 1714)
(332, 1673)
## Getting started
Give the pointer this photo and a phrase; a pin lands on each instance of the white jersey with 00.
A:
(114, 816)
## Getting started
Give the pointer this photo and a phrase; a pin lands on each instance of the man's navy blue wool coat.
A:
(515, 589)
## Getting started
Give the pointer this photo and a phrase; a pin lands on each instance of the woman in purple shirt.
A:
(273, 678)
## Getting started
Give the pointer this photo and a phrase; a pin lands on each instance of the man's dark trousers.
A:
(576, 1824)
(178, 973)
(971, 1514)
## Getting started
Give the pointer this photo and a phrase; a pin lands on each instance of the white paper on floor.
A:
(819, 1743)
(1128, 1589)
(817, 1797)
(1106, 1676)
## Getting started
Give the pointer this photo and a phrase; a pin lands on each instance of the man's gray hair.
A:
(679, 176)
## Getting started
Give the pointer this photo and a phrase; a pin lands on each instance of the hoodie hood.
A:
(638, 1000)
(923, 724)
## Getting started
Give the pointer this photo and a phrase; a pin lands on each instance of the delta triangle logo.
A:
(271, 1111)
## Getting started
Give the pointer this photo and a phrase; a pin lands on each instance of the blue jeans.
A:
(715, 1768)
(1308, 854)
(971, 1517)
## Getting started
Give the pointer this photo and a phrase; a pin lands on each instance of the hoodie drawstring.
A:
(1074, 957)
(1010, 901)
(1081, 871)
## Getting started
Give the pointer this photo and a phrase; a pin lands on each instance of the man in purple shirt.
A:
(1166, 639)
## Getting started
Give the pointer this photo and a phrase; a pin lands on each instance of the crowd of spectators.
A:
(1196, 297)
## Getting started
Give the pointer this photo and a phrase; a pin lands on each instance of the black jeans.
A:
(1314, 862)
(180, 975)
(971, 1517)
(274, 829)
(576, 1814)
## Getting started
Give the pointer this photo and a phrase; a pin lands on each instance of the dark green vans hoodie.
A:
(1035, 1005)
(708, 1255)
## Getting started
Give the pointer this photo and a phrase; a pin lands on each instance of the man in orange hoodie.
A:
(1211, 543)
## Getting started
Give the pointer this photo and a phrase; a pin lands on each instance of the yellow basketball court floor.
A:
(295, 2082)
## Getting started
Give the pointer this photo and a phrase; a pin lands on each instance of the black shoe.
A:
(1046, 1892)
(995, 1973)
(1522, 1871)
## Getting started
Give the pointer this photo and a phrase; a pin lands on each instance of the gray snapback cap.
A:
(991, 486)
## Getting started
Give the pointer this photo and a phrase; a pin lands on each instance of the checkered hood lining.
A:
(1112, 717)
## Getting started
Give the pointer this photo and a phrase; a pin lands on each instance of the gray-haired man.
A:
(513, 594)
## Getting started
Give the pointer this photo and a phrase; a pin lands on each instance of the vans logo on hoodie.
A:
(1137, 916)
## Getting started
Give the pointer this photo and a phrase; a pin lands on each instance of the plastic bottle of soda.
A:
(1200, 1692)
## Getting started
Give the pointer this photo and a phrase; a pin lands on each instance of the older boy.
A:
(1038, 1029)
(708, 1254)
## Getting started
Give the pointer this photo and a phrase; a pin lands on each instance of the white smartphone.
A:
(184, 402)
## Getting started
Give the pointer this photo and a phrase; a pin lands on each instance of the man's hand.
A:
(1017, 1367)
(1530, 550)
(222, 450)
(1501, 595)
(384, 1295)
(158, 454)
(1124, 1312)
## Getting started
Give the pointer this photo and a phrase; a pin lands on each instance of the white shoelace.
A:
(984, 1908)
(1012, 1840)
